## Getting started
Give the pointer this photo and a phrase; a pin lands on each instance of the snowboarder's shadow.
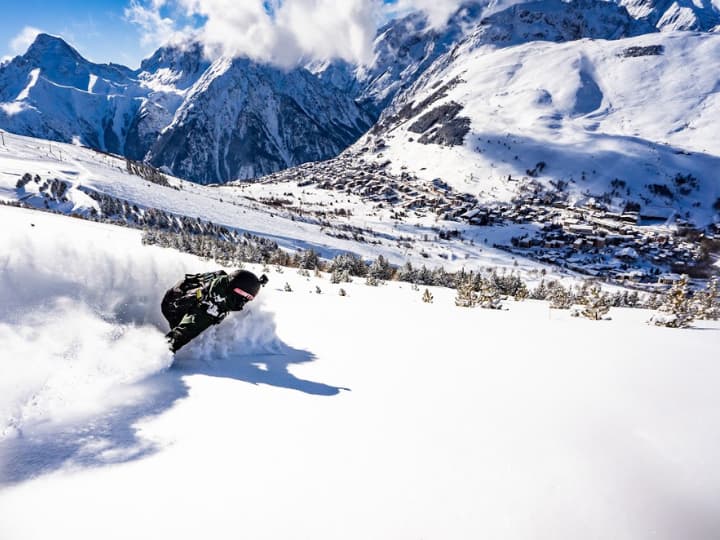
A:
(113, 437)
(104, 439)
(266, 368)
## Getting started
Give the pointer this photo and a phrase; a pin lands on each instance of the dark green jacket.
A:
(211, 308)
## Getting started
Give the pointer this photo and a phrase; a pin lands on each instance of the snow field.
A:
(377, 416)
(80, 320)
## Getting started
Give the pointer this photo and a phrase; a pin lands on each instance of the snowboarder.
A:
(199, 301)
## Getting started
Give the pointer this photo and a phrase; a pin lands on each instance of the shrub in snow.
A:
(427, 297)
(707, 304)
(372, 281)
(466, 295)
(560, 297)
(304, 273)
(318, 290)
(489, 296)
(508, 284)
(348, 262)
(307, 259)
(340, 276)
(342, 292)
(595, 303)
(653, 301)
(288, 288)
(677, 310)
(521, 293)
(540, 292)
(380, 269)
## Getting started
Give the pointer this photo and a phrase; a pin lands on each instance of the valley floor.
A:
(320, 416)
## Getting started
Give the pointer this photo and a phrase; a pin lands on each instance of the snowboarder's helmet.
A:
(246, 284)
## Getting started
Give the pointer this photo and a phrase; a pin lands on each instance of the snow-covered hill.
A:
(206, 122)
(623, 121)
(440, 422)
(76, 180)
(406, 47)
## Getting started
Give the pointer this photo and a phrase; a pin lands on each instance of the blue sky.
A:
(96, 28)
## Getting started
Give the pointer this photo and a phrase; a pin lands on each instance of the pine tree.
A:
(521, 292)
(595, 302)
(707, 303)
(466, 295)
(380, 269)
(560, 297)
(372, 281)
(540, 292)
(489, 296)
(427, 297)
(676, 310)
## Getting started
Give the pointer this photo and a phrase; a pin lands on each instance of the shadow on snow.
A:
(114, 437)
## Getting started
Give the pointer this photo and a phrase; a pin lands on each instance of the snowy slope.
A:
(84, 171)
(281, 423)
(640, 111)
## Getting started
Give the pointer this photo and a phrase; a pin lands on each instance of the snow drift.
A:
(80, 321)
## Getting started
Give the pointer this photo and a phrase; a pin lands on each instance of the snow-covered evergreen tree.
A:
(707, 303)
(540, 292)
(466, 295)
(595, 302)
(288, 288)
(677, 310)
(380, 269)
(489, 295)
(521, 292)
(560, 297)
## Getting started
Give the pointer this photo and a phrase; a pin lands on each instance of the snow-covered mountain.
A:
(626, 121)
(54, 93)
(207, 122)
(243, 119)
(669, 15)
(404, 48)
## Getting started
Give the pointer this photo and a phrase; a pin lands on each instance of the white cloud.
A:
(438, 11)
(282, 32)
(155, 30)
(20, 43)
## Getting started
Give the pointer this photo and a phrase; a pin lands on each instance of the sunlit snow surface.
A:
(320, 416)
(591, 113)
